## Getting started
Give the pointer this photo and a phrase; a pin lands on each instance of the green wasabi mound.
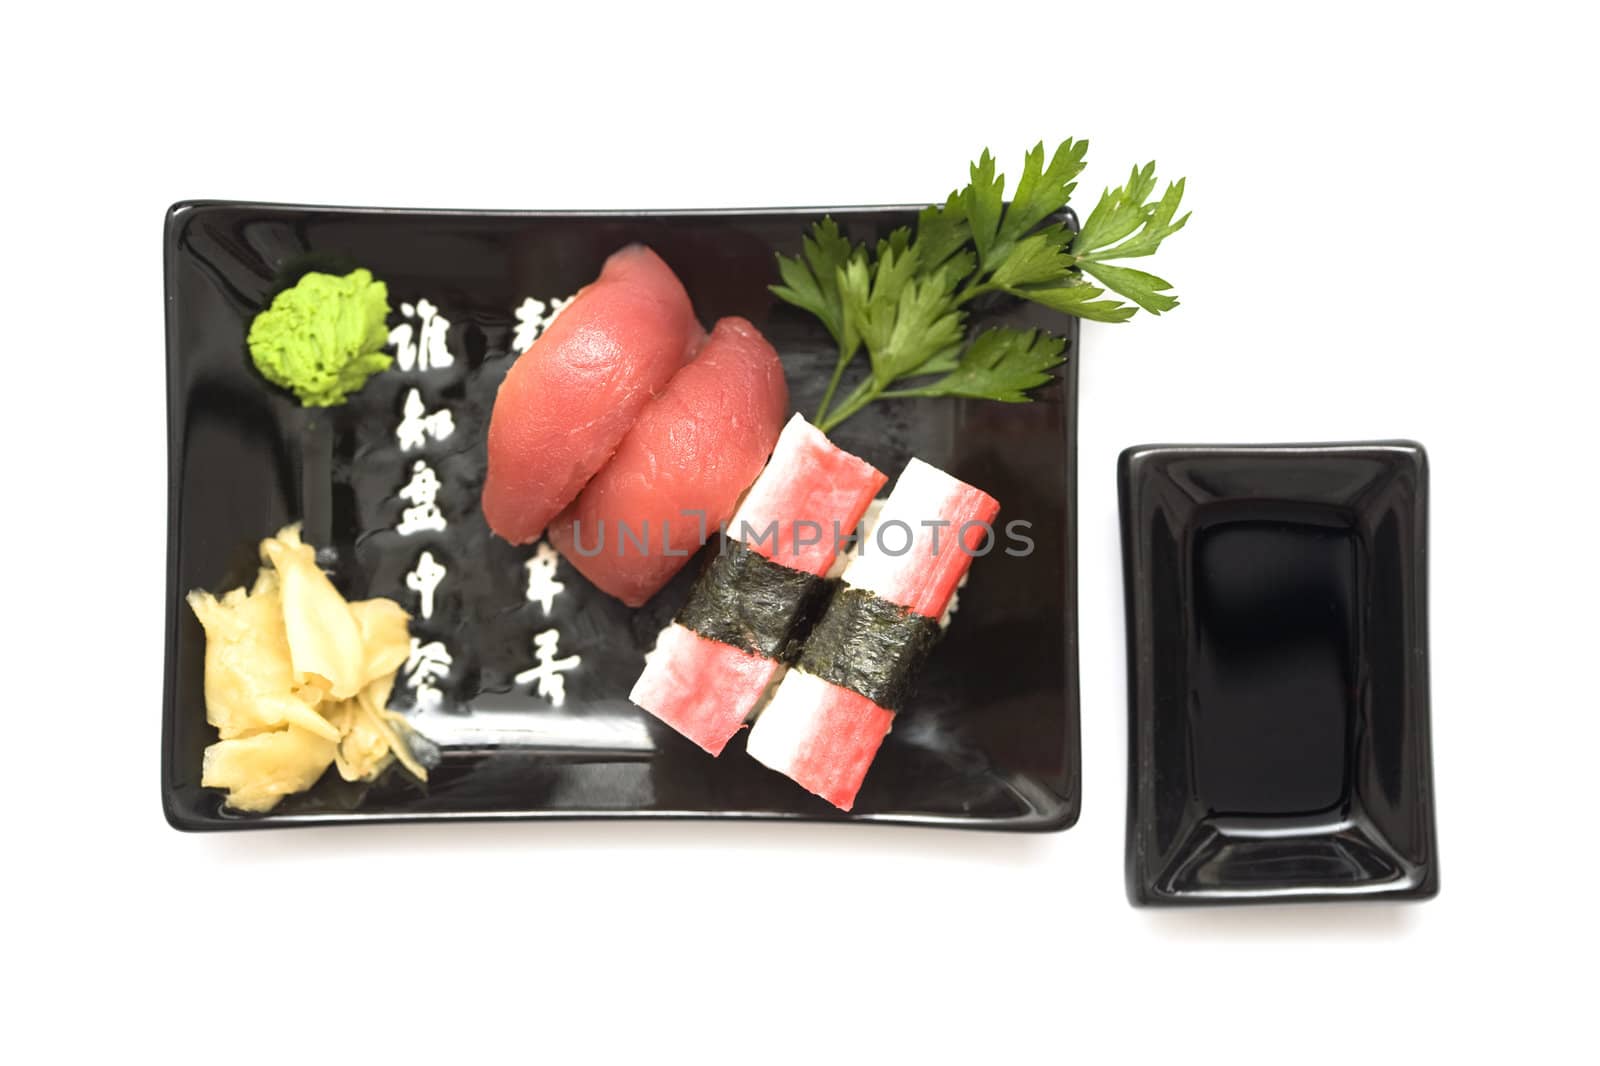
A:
(323, 338)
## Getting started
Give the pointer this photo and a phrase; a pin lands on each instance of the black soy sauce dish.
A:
(1278, 673)
(991, 738)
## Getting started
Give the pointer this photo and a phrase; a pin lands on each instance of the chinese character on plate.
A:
(543, 588)
(547, 671)
(425, 666)
(533, 318)
(425, 346)
(419, 424)
(422, 491)
(424, 579)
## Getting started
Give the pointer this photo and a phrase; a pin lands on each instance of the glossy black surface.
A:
(1273, 667)
(1278, 673)
(990, 738)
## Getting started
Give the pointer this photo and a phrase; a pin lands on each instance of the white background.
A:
(1393, 236)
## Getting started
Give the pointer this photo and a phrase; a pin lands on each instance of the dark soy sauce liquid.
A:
(1273, 703)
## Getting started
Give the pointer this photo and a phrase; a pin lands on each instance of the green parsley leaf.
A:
(942, 231)
(1126, 225)
(1040, 259)
(1146, 290)
(926, 323)
(1001, 364)
(811, 280)
(1155, 226)
(1082, 300)
(942, 363)
(1042, 191)
(983, 200)
(904, 300)
(904, 319)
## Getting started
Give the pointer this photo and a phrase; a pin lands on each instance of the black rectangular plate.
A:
(1278, 673)
(990, 740)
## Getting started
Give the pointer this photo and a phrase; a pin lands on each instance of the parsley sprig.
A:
(905, 301)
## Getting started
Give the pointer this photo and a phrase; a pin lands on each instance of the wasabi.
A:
(323, 338)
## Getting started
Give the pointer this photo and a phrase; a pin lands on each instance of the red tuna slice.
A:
(820, 736)
(679, 472)
(702, 688)
(571, 398)
(811, 489)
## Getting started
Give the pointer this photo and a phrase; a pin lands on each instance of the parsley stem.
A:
(833, 383)
(974, 290)
(859, 397)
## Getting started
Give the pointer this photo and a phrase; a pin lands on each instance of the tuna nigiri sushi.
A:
(678, 473)
(831, 712)
(571, 397)
(742, 623)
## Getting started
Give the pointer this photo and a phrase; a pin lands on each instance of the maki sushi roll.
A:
(831, 712)
(750, 609)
